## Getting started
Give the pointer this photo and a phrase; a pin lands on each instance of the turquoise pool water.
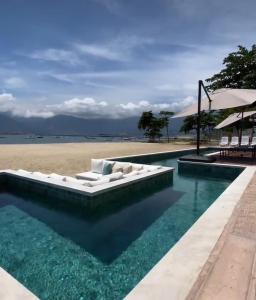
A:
(63, 254)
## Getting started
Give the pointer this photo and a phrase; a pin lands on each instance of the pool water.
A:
(62, 254)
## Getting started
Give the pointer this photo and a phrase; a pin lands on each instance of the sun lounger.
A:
(244, 141)
(253, 142)
(234, 141)
(223, 141)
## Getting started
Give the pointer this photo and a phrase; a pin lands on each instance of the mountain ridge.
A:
(70, 125)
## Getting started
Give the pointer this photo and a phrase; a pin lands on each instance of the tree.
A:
(151, 125)
(165, 115)
(208, 121)
(239, 71)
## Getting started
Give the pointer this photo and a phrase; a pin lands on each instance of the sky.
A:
(114, 58)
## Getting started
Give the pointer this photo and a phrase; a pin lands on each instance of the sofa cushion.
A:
(152, 168)
(114, 176)
(127, 168)
(89, 176)
(107, 167)
(137, 167)
(131, 174)
(97, 165)
(118, 167)
(97, 182)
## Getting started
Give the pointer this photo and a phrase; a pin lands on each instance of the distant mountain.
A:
(68, 125)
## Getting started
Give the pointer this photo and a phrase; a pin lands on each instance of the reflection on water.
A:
(104, 233)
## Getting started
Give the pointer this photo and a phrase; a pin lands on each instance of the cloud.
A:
(9, 104)
(31, 113)
(121, 48)
(83, 107)
(91, 108)
(6, 98)
(56, 55)
(101, 52)
(88, 107)
(179, 105)
(15, 82)
(6, 102)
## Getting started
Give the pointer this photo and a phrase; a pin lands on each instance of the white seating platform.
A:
(98, 183)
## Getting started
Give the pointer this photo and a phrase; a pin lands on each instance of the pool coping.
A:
(174, 275)
(12, 289)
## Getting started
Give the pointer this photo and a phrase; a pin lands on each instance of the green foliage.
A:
(239, 71)
(208, 121)
(153, 125)
(165, 117)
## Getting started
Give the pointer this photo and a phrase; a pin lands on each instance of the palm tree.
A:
(165, 115)
(151, 125)
(145, 120)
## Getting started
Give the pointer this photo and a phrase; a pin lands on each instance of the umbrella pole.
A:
(198, 117)
(241, 129)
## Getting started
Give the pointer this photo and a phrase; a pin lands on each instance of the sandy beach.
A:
(69, 159)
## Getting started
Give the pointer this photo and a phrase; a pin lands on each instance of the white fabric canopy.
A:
(234, 118)
(222, 99)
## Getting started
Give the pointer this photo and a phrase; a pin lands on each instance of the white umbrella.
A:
(222, 99)
(234, 118)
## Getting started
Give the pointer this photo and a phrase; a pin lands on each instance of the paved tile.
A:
(230, 272)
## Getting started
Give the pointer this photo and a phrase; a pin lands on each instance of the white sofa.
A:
(118, 173)
(117, 170)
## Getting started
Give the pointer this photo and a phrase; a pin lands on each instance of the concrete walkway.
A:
(230, 271)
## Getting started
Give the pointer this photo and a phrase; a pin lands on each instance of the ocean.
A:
(51, 139)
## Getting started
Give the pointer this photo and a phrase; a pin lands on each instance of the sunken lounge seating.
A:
(104, 176)
(111, 170)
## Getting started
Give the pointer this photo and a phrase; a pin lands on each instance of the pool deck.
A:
(230, 271)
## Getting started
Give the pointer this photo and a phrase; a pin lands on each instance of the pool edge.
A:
(174, 275)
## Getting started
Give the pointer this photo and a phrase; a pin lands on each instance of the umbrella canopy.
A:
(234, 118)
(222, 99)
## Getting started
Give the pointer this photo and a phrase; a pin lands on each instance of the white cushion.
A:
(89, 176)
(133, 173)
(97, 165)
(120, 166)
(137, 167)
(96, 183)
(114, 176)
(152, 168)
(70, 179)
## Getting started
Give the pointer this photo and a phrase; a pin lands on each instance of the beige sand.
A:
(69, 159)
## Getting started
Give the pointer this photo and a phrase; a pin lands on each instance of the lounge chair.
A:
(224, 141)
(245, 141)
(253, 142)
(234, 141)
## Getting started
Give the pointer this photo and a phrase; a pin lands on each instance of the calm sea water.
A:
(59, 254)
(38, 139)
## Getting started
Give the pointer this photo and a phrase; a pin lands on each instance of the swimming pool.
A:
(63, 254)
